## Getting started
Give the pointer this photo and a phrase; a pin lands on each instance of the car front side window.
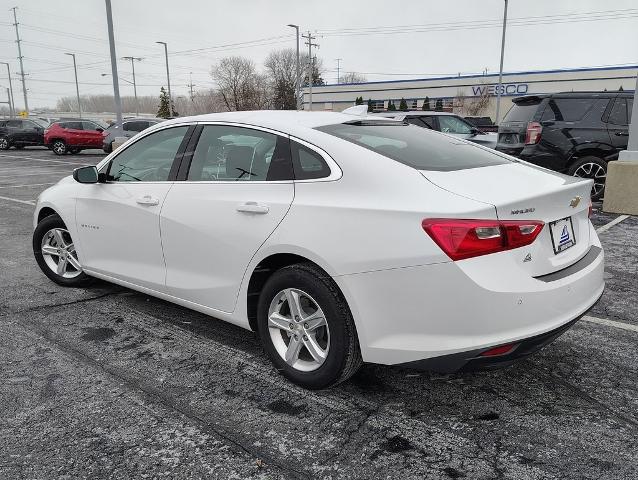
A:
(230, 153)
(450, 124)
(148, 160)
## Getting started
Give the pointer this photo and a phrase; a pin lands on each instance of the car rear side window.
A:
(72, 125)
(229, 153)
(307, 163)
(566, 109)
(416, 147)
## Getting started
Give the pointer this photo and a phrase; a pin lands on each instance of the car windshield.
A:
(414, 146)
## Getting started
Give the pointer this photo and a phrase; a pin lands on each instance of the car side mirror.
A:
(476, 131)
(98, 129)
(85, 175)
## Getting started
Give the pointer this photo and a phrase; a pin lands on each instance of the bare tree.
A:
(281, 67)
(352, 77)
(479, 104)
(239, 84)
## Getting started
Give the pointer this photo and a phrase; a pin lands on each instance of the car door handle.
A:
(253, 207)
(147, 200)
(622, 134)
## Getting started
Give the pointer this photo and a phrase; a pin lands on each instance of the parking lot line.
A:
(36, 159)
(26, 202)
(615, 221)
(611, 323)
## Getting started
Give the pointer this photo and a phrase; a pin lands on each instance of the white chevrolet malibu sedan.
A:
(339, 238)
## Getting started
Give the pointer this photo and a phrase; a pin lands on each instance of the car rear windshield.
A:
(414, 146)
(521, 112)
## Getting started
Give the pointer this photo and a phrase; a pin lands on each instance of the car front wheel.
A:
(306, 327)
(54, 251)
(4, 143)
(59, 147)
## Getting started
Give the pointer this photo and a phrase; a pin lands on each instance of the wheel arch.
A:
(601, 151)
(45, 212)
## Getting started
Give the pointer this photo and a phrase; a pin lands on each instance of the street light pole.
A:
(116, 83)
(500, 74)
(168, 80)
(132, 59)
(297, 72)
(18, 41)
(77, 88)
(12, 105)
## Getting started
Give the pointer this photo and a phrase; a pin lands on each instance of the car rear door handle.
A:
(252, 207)
(622, 134)
(147, 200)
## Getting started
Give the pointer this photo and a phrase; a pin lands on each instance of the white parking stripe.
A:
(27, 185)
(26, 202)
(615, 221)
(42, 174)
(36, 159)
(611, 323)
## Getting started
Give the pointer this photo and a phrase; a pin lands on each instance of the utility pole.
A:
(310, 44)
(297, 69)
(190, 86)
(338, 65)
(77, 88)
(12, 106)
(168, 79)
(18, 41)
(133, 59)
(116, 83)
(500, 73)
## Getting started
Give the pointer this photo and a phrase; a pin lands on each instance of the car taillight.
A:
(465, 238)
(533, 133)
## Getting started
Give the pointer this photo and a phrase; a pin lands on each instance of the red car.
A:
(72, 136)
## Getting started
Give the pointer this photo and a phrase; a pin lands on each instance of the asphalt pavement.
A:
(110, 383)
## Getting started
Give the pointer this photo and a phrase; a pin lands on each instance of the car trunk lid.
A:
(522, 192)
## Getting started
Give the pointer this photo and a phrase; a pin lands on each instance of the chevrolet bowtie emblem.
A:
(574, 203)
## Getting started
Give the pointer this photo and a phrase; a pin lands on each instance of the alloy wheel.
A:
(298, 329)
(59, 253)
(4, 144)
(59, 147)
(595, 172)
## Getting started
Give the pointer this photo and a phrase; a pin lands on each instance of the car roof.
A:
(288, 121)
(583, 94)
(412, 113)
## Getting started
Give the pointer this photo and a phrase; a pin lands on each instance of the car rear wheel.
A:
(306, 327)
(59, 147)
(594, 168)
(4, 143)
(55, 253)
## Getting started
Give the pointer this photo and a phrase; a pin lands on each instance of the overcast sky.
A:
(382, 38)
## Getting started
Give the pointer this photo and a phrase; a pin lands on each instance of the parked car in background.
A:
(444, 122)
(576, 132)
(130, 127)
(73, 136)
(485, 124)
(20, 133)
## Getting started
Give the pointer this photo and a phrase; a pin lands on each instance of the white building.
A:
(459, 93)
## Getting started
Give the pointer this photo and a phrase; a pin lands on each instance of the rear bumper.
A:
(442, 316)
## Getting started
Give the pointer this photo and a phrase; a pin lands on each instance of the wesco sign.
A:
(506, 89)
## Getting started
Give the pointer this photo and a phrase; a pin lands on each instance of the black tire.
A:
(344, 356)
(591, 167)
(108, 148)
(59, 147)
(4, 143)
(45, 225)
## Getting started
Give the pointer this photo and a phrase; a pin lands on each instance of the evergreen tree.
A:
(163, 111)
(621, 89)
(359, 101)
(403, 105)
(438, 106)
(391, 106)
(426, 104)
(370, 107)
